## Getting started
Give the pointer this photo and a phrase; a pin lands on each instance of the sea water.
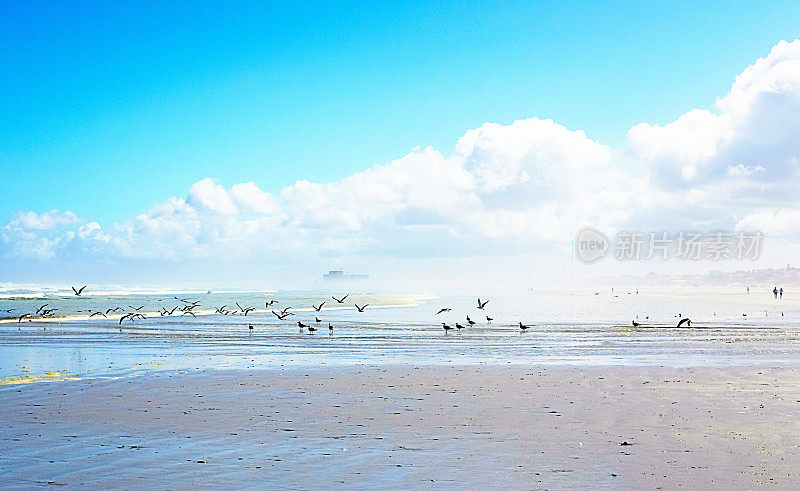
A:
(572, 327)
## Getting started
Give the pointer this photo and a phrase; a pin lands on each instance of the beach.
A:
(423, 427)
(389, 399)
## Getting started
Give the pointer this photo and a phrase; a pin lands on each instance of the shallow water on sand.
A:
(567, 328)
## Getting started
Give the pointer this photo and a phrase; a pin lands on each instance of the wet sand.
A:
(378, 427)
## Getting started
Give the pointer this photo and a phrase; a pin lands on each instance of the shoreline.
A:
(382, 426)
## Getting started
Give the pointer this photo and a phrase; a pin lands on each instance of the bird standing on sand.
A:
(459, 326)
(250, 326)
(446, 327)
(446, 309)
(311, 329)
(361, 309)
(316, 319)
(489, 319)
(301, 325)
(470, 321)
(79, 291)
(636, 324)
(481, 305)
(523, 327)
(330, 328)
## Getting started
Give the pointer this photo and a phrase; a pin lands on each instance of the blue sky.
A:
(107, 108)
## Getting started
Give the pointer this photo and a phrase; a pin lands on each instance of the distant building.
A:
(339, 275)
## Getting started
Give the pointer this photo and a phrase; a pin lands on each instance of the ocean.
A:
(587, 327)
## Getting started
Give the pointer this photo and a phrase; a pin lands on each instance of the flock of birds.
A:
(186, 307)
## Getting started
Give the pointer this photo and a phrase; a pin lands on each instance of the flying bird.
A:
(361, 309)
(22, 317)
(481, 305)
(686, 321)
(42, 308)
(79, 291)
(318, 307)
(340, 300)
(446, 309)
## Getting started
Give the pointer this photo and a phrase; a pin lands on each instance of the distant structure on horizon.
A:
(338, 275)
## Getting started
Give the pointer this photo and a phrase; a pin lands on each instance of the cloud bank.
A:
(503, 189)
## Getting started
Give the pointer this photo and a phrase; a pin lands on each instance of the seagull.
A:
(311, 329)
(481, 305)
(97, 313)
(685, 320)
(318, 307)
(42, 308)
(489, 319)
(280, 316)
(79, 291)
(340, 300)
(189, 312)
(446, 327)
(250, 326)
(317, 319)
(270, 303)
(301, 325)
(330, 328)
(361, 309)
(443, 310)
(22, 317)
(523, 327)
(135, 308)
(470, 321)
(459, 326)
(636, 324)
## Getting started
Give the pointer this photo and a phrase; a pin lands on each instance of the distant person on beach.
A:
(781, 292)
(775, 292)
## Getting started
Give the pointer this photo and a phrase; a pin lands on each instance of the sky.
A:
(139, 137)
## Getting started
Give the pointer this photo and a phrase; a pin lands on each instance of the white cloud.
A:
(45, 221)
(781, 222)
(504, 189)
